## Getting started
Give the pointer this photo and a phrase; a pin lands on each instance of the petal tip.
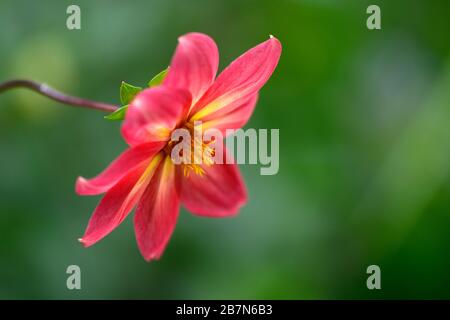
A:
(79, 183)
(188, 36)
(274, 40)
(86, 243)
(154, 256)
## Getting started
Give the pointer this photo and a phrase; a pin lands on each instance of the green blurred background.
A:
(364, 156)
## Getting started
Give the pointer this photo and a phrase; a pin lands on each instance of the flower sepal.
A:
(128, 92)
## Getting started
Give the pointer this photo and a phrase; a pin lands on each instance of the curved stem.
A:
(53, 94)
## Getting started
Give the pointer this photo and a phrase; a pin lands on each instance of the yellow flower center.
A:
(201, 152)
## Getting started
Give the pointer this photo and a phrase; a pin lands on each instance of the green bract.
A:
(128, 92)
(158, 79)
(119, 114)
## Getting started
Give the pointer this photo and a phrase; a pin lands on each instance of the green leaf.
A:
(119, 114)
(128, 92)
(158, 79)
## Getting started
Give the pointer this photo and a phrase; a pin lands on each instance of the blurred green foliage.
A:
(364, 164)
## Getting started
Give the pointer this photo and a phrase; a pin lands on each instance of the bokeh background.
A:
(364, 156)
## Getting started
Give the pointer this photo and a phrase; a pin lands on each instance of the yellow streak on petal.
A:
(149, 171)
(219, 103)
(168, 169)
(161, 132)
(214, 106)
(212, 123)
(208, 109)
(140, 185)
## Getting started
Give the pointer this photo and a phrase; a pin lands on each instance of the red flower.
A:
(145, 175)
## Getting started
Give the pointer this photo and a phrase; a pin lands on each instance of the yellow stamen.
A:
(201, 153)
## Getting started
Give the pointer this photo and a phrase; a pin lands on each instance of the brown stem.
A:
(51, 93)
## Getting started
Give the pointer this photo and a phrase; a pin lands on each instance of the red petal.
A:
(119, 201)
(127, 161)
(219, 192)
(235, 119)
(154, 113)
(240, 80)
(194, 65)
(157, 212)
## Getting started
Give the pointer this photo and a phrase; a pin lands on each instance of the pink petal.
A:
(157, 212)
(194, 65)
(235, 119)
(219, 192)
(154, 113)
(119, 201)
(243, 78)
(126, 162)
